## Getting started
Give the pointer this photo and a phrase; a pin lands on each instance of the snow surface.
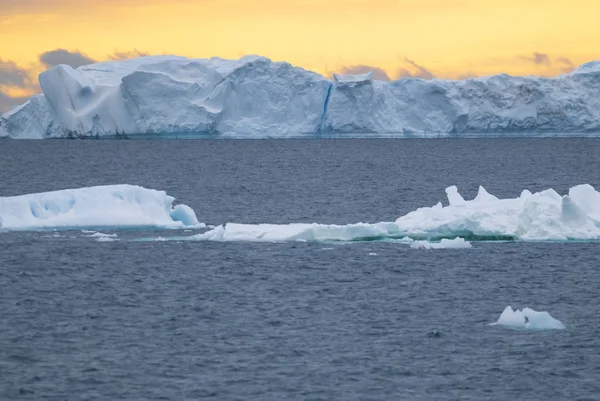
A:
(537, 320)
(445, 243)
(543, 216)
(255, 97)
(117, 206)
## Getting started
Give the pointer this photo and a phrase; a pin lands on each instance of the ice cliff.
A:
(255, 97)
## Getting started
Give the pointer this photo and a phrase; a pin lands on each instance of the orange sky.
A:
(449, 38)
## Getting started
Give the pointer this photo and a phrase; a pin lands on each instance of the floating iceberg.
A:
(445, 243)
(528, 319)
(115, 206)
(255, 97)
(543, 216)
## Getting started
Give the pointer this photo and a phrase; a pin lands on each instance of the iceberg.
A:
(541, 216)
(255, 97)
(114, 206)
(528, 319)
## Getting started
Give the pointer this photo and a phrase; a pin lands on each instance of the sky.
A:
(393, 38)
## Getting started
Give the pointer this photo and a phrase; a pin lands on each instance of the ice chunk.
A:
(454, 198)
(541, 216)
(457, 243)
(106, 239)
(528, 319)
(117, 206)
(484, 196)
(96, 234)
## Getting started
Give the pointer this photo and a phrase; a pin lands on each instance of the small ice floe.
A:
(457, 243)
(106, 239)
(100, 235)
(372, 254)
(528, 319)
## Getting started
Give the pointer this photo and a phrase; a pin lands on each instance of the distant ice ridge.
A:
(528, 319)
(543, 216)
(115, 206)
(255, 97)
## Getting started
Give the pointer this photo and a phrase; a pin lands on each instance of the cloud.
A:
(135, 53)
(564, 60)
(61, 56)
(8, 102)
(421, 72)
(378, 73)
(13, 75)
(541, 59)
(567, 64)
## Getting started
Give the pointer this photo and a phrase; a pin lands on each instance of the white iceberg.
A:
(528, 319)
(445, 243)
(544, 216)
(115, 206)
(255, 97)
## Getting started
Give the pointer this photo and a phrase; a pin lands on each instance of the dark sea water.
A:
(84, 320)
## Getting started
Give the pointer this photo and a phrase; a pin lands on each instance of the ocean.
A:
(179, 320)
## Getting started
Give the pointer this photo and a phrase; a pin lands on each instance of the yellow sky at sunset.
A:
(449, 38)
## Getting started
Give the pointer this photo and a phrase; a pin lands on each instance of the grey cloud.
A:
(567, 65)
(565, 61)
(13, 75)
(8, 102)
(62, 56)
(135, 53)
(421, 72)
(541, 59)
(378, 73)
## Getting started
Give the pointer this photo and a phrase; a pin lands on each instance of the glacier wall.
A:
(255, 97)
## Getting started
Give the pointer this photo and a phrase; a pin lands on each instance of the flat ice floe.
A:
(528, 319)
(115, 206)
(456, 243)
(298, 232)
(541, 216)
